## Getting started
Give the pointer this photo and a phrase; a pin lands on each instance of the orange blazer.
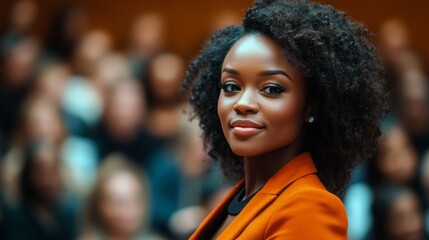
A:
(293, 204)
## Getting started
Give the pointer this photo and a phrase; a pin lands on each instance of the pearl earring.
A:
(311, 119)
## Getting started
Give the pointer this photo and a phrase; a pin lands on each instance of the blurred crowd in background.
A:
(95, 142)
(388, 197)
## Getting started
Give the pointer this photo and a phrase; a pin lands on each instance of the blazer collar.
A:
(300, 166)
(216, 217)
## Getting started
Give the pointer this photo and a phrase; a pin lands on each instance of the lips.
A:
(245, 128)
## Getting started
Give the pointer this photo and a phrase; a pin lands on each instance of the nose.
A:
(247, 103)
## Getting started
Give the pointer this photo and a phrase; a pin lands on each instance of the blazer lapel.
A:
(298, 167)
(252, 209)
(216, 217)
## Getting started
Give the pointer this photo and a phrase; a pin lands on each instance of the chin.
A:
(245, 150)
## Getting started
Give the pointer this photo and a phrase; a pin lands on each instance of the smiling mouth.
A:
(245, 131)
(245, 128)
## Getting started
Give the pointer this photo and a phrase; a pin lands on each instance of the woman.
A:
(300, 99)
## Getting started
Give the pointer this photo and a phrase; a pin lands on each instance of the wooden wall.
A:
(189, 21)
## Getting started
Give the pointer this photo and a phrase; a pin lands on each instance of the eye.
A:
(230, 87)
(273, 89)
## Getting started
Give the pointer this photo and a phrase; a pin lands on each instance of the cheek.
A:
(224, 108)
(284, 120)
(283, 113)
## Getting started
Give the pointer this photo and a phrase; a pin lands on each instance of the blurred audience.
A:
(407, 73)
(387, 198)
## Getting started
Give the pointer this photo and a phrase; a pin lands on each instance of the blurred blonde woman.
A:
(117, 206)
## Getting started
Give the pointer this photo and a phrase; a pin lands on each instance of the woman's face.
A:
(262, 102)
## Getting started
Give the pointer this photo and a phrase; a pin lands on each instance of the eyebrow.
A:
(275, 72)
(264, 73)
(229, 70)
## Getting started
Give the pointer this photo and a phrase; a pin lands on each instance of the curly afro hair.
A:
(344, 79)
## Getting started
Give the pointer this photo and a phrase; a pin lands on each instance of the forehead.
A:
(256, 49)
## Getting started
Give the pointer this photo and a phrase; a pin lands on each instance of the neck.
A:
(259, 169)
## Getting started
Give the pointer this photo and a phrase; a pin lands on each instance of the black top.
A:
(237, 204)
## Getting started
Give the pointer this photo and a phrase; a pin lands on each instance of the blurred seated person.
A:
(44, 210)
(39, 118)
(146, 39)
(408, 75)
(396, 160)
(78, 150)
(397, 213)
(22, 18)
(88, 93)
(81, 97)
(50, 83)
(18, 58)
(165, 102)
(121, 130)
(121, 127)
(394, 40)
(106, 71)
(199, 182)
(118, 205)
(413, 106)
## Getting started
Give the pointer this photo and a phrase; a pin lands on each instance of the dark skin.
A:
(262, 108)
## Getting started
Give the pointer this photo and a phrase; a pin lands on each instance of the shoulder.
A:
(305, 205)
(309, 192)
